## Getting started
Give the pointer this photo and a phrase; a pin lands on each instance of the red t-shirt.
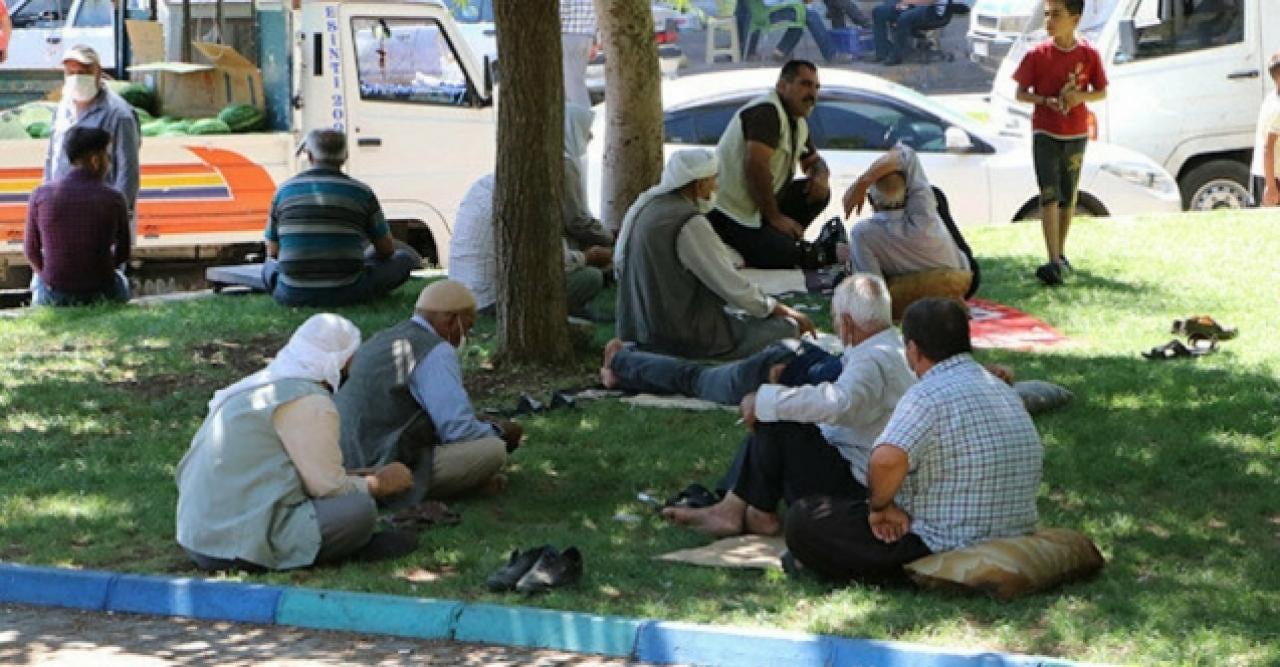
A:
(1046, 69)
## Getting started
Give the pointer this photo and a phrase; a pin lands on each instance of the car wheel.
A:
(1216, 184)
(1086, 204)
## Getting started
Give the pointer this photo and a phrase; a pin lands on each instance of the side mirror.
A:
(1128, 41)
(490, 77)
(958, 141)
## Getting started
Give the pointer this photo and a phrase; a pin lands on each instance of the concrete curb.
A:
(422, 618)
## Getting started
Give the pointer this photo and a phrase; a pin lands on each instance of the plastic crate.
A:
(853, 40)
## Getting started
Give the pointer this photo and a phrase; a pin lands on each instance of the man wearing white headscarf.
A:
(674, 302)
(263, 485)
(405, 402)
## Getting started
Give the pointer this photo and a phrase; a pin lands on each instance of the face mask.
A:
(80, 87)
(706, 204)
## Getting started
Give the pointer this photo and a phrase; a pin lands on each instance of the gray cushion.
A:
(1039, 396)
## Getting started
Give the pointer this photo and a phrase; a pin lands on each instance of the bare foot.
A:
(607, 377)
(719, 520)
(758, 522)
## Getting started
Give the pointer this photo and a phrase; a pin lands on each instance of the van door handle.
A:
(369, 141)
(1245, 74)
(54, 39)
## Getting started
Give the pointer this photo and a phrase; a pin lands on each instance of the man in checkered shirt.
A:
(958, 463)
(577, 34)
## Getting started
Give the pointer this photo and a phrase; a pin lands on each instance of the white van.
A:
(994, 25)
(1186, 80)
(43, 29)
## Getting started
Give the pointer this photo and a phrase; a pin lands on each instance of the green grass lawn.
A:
(1171, 467)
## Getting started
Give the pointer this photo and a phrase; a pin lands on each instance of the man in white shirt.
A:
(817, 439)
(1266, 189)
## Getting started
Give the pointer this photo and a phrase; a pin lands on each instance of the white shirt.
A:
(853, 410)
(1268, 123)
(700, 250)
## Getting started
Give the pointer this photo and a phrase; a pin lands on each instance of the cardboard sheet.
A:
(751, 552)
(675, 403)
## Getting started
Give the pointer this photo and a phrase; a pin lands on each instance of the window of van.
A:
(1167, 28)
(40, 13)
(94, 14)
(407, 60)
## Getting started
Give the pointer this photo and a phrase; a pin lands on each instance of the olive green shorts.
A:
(1058, 163)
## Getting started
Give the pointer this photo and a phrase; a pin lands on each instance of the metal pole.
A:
(217, 20)
(186, 31)
(121, 37)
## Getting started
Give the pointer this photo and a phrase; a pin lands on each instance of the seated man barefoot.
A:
(404, 402)
(78, 228)
(906, 234)
(815, 440)
(263, 485)
(321, 225)
(958, 463)
(675, 277)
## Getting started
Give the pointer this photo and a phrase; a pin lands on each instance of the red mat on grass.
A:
(995, 325)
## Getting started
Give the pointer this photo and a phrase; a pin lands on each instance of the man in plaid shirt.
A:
(958, 463)
(577, 34)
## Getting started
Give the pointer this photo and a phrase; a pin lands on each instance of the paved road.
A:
(49, 636)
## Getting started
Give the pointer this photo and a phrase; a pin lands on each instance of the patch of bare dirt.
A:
(244, 357)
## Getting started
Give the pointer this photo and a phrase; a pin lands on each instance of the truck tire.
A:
(1216, 184)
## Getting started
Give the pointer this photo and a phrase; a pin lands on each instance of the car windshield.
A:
(471, 11)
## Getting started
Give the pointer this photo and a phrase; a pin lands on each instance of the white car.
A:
(986, 178)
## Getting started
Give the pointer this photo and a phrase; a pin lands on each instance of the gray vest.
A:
(734, 198)
(381, 420)
(662, 306)
(239, 495)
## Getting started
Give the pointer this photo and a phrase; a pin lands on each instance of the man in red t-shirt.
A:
(1058, 77)
(6, 29)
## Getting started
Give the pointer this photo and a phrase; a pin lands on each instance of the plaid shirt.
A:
(975, 457)
(577, 17)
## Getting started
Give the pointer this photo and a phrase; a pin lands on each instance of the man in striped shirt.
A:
(321, 224)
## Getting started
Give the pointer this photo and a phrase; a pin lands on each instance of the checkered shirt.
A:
(975, 457)
(577, 17)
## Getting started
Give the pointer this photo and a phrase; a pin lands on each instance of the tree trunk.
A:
(633, 138)
(529, 184)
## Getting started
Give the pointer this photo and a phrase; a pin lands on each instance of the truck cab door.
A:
(37, 40)
(1206, 51)
(418, 127)
(92, 22)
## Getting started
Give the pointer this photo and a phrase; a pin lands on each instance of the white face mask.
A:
(706, 204)
(462, 336)
(80, 87)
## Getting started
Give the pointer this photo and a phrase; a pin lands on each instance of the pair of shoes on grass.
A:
(537, 570)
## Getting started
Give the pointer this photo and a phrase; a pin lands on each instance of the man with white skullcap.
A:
(263, 485)
(674, 302)
(405, 402)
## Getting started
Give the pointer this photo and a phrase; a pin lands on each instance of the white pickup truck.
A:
(1186, 80)
(396, 75)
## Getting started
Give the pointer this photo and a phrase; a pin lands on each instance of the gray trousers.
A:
(346, 525)
(575, 53)
(751, 334)
(895, 248)
(581, 286)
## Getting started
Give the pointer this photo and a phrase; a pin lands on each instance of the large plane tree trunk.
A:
(532, 313)
(633, 138)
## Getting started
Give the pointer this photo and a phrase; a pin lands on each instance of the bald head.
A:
(890, 192)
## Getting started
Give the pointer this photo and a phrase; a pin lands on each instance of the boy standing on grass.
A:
(1058, 77)
(1266, 186)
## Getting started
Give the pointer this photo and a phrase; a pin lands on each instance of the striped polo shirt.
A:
(323, 220)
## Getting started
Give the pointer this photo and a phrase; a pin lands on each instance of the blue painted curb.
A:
(54, 587)
(194, 598)
(547, 628)
(362, 612)
(646, 640)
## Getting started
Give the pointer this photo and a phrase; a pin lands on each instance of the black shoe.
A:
(1064, 265)
(833, 234)
(562, 399)
(517, 566)
(552, 570)
(387, 545)
(1049, 274)
(694, 496)
(528, 405)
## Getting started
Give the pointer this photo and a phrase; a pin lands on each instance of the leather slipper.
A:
(553, 570)
(518, 565)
